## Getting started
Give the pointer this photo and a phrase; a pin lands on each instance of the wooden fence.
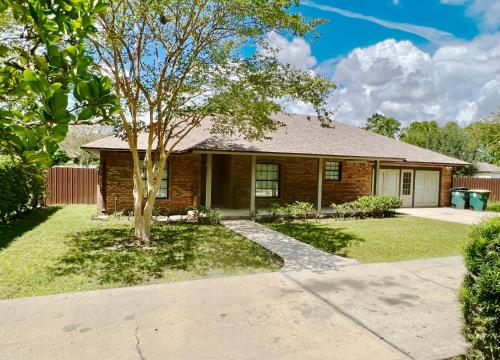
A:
(480, 183)
(71, 185)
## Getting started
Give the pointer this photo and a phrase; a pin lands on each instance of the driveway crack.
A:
(353, 318)
(431, 281)
(138, 342)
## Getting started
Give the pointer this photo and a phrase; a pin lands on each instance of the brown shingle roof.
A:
(302, 135)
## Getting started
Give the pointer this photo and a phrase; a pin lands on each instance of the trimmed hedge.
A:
(373, 206)
(480, 293)
(22, 188)
(297, 209)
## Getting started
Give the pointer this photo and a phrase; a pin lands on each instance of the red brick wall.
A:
(298, 181)
(446, 184)
(184, 181)
(355, 181)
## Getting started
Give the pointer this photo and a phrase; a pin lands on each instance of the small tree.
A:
(43, 64)
(79, 135)
(174, 63)
(383, 125)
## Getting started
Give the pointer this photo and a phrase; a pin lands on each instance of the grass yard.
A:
(60, 249)
(380, 240)
(493, 207)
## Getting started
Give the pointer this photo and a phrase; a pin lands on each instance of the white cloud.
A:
(486, 11)
(433, 35)
(460, 81)
(296, 52)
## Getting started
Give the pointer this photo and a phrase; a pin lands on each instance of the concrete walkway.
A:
(461, 216)
(412, 305)
(296, 255)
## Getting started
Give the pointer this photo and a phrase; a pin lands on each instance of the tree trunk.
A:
(142, 219)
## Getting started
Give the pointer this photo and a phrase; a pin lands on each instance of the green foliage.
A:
(47, 79)
(485, 138)
(493, 207)
(295, 210)
(60, 158)
(373, 206)
(480, 293)
(450, 139)
(205, 215)
(383, 125)
(21, 188)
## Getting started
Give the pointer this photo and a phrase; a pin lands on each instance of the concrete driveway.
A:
(468, 217)
(265, 316)
(377, 311)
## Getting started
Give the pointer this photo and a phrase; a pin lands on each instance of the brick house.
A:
(301, 161)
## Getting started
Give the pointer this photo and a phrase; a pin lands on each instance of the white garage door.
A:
(388, 182)
(426, 188)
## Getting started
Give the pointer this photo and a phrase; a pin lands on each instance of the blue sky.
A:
(342, 34)
(411, 59)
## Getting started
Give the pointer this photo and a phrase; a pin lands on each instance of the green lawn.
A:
(60, 249)
(380, 240)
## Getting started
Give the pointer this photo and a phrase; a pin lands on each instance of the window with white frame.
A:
(267, 180)
(332, 170)
(162, 192)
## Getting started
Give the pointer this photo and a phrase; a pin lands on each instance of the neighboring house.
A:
(485, 170)
(301, 161)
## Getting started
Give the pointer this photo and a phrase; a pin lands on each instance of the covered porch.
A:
(240, 184)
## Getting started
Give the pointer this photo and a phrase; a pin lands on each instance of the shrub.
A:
(297, 209)
(22, 188)
(204, 215)
(376, 206)
(480, 293)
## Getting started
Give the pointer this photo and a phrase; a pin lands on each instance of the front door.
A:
(388, 183)
(426, 188)
(406, 194)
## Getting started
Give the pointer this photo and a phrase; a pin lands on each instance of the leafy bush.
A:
(22, 188)
(374, 206)
(297, 209)
(480, 293)
(204, 215)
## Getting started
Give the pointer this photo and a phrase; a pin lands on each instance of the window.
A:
(162, 192)
(406, 190)
(332, 170)
(267, 180)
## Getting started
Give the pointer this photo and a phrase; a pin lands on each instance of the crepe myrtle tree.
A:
(175, 63)
(46, 76)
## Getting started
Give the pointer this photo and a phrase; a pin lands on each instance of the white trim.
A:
(320, 183)
(208, 182)
(252, 184)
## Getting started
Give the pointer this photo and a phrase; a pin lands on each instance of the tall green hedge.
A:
(480, 293)
(22, 188)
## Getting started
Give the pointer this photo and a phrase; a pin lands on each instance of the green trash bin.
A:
(478, 199)
(459, 198)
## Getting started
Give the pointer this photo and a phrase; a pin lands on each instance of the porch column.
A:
(252, 184)
(320, 183)
(208, 182)
(375, 176)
